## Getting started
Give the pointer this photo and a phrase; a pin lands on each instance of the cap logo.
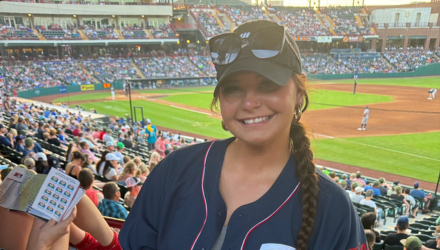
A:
(245, 35)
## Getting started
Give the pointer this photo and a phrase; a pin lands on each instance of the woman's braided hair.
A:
(305, 167)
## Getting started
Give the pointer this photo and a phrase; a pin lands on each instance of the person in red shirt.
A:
(86, 180)
(76, 131)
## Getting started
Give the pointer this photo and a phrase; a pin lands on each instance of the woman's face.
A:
(257, 110)
(114, 163)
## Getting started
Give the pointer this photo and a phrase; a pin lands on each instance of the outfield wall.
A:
(429, 70)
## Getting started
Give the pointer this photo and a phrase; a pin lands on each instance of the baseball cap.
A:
(376, 183)
(28, 142)
(121, 145)
(133, 181)
(165, 134)
(19, 138)
(20, 119)
(111, 157)
(411, 243)
(416, 185)
(53, 161)
(277, 69)
(109, 143)
(403, 221)
(359, 189)
(40, 156)
(396, 183)
(148, 120)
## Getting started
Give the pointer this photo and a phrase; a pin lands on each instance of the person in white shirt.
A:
(365, 117)
(368, 202)
(357, 197)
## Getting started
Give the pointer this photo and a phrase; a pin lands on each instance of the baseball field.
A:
(402, 137)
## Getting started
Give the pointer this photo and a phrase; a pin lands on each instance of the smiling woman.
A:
(259, 189)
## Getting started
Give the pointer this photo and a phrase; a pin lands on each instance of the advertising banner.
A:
(324, 39)
(350, 39)
(87, 87)
(63, 89)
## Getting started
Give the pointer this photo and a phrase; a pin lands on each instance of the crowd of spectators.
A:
(70, 72)
(163, 31)
(105, 32)
(134, 32)
(370, 65)
(345, 21)
(56, 31)
(243, 14)
(318, 64)
(8, 32)
(302, 22)
(205, 64)
(411, 59)
(167, 67)
(111, 70)
(209, 22)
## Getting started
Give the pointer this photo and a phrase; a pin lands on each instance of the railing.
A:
(86, 2)
(185, 26)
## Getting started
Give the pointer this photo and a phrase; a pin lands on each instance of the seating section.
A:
(411, 59)
(345, 20)
(242, 14)
(317, 64)
(134, 32)
(110, 70)
(105, 32)
(22, 32)
(163, 31)
(69, 73)
(301, 21)
(205, 64)
(167, 66)
(56, 32)
(209, 22)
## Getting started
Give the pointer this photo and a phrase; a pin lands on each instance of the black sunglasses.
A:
(266, 42)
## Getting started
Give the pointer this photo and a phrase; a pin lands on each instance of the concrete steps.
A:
(40, 36)
(83, 35)
(138, 71)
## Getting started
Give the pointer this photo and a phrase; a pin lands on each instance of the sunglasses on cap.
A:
(265, 42)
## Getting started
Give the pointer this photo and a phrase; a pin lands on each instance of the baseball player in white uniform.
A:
(113, 93)
(432, 94)
(365, 117)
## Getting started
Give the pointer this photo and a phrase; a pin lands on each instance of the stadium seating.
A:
(167, 67)
(301, 21)
(209, 22)
(163, 31)
(205, 64)
(110, 70)
(11, 33)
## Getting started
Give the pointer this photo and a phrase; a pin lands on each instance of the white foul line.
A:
(331, 137)
(392, 150)
(190, 110)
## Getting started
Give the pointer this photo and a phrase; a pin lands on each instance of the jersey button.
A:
(240, 215)
(220, 213)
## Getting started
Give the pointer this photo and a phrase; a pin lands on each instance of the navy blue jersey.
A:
(180, 207)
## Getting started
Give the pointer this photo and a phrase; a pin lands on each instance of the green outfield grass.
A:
(320, 99)
(82, 97)
(177, 90)
(412, 155)
(423, 82)
(165, 116)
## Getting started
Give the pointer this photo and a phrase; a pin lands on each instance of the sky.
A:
(350, 2)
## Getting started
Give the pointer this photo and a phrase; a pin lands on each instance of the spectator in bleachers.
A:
(358, 179)
(19, 143)
(413, 243)
(111, 167)
(85, 149)
(368, 202)
(371, 238)
(393, 239)
(374, 187)
(150, 132)
(358, 195)
(88, 164)
(368, 220)
(161, 144)
(110, 205)
(107, 137)
(143, 172)
(74, 167)
(382, 188)
(412, 203)
(399, 196)
(352, 189)
(29, 162)
(434, 244)
(134, 185)
(419, 194)
(127, 141)
(344, 178)
(343, 185)
(128, 171)
(118, 152)
(41, 165)
(86, 180)
(6, 138)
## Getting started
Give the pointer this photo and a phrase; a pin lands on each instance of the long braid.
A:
(305, 170)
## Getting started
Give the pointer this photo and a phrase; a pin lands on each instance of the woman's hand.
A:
(53, 231)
